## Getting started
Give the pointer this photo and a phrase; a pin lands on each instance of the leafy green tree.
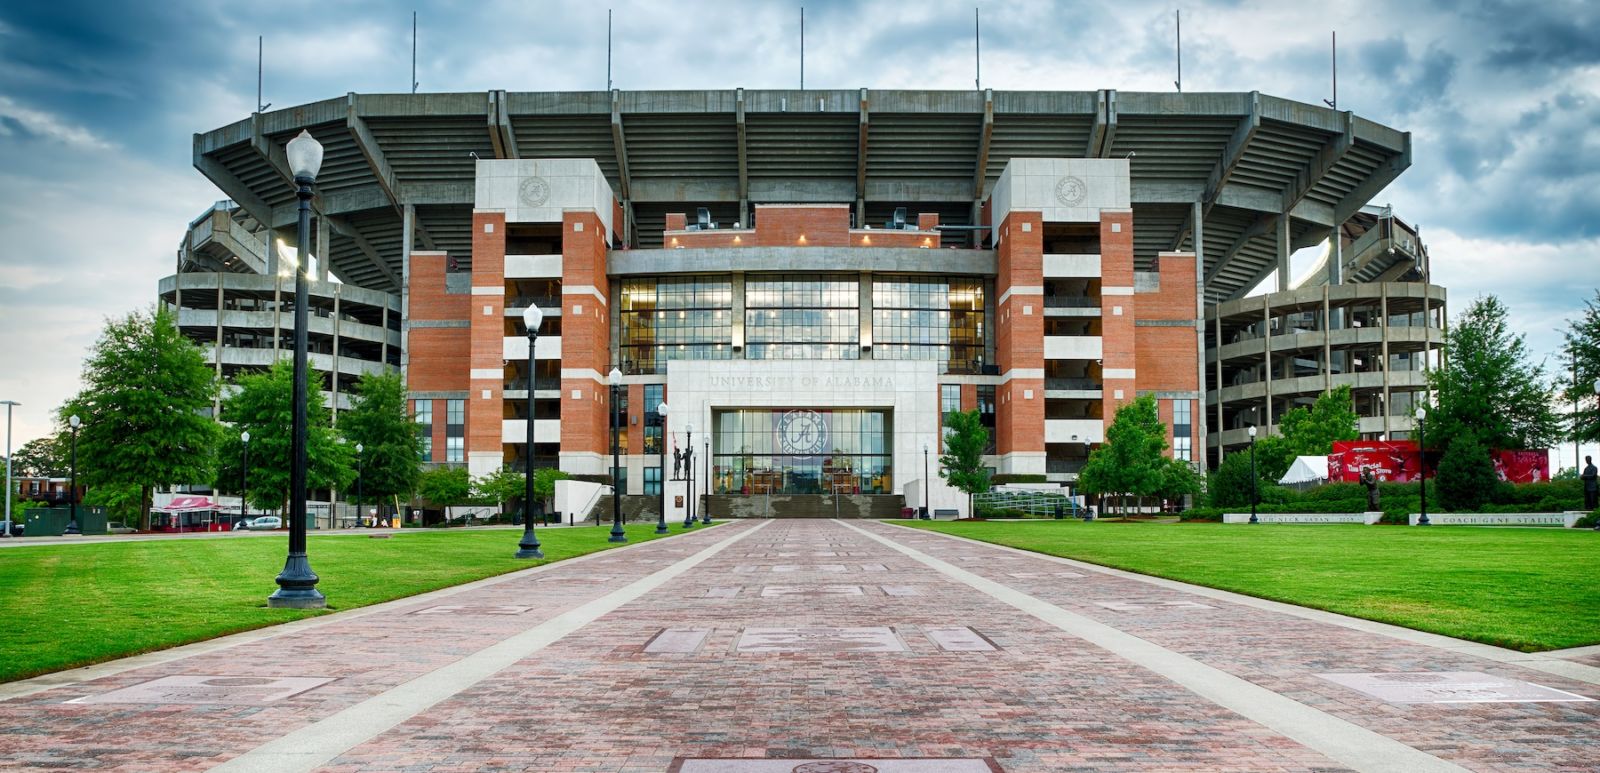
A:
(43, 457)
(263, 405)
(446, 486)
(1465, 477)
(1582, 349)
(1229, 484)
(961, 464)
(391, 442)
(1489, 386)
(120, 501)
(1312, 432)
(1129, 462)
(501, 486)
(146, 390)
(1179, 479)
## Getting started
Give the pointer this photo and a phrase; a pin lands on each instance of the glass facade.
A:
(674, 318)
(930, 318)
(799, 317)
(455, 430)
(1182, 430)
(802, 451)
(424, 418)
(654, 395)
(652, 481)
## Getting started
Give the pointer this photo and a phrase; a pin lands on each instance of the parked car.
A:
(263, 523)
(118, 527)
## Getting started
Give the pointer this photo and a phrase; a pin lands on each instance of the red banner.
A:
(1399, 461)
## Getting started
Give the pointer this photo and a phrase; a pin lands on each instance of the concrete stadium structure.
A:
(1079, 236)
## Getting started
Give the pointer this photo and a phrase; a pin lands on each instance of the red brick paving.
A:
(596, 701)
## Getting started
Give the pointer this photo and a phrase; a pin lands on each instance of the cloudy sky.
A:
(99, 101)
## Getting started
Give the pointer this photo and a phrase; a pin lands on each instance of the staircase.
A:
(634, 509)
(804, 506)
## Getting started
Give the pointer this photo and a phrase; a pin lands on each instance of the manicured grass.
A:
(73, 605)
(1527, 589)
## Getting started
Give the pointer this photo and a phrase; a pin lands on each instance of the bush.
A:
(1466, 475)
(1017, 478)
(1589, 521)
(1205, 514)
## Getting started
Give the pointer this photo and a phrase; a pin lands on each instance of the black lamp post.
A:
(1255, 488)
(297, 583)
(927, 485)
(532, 317)
(72, 522)
(1422, 467)
(688, 475)
(661, 522)
(244, 476)
(705, 514)
(361, 515)
(617, 534)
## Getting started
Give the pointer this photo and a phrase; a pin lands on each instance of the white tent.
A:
(1306, 469)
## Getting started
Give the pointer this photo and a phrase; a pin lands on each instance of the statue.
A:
(1370, 480)
(677, 464)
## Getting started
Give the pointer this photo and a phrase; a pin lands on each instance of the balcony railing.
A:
(1068, 466)
(546, 302)
(543, 382)
(1071, 302)
(1088, 384)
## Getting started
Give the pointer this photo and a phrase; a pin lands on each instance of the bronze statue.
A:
(1370, 480)
(677, 464)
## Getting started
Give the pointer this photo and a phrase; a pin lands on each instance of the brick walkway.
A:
(812, 647)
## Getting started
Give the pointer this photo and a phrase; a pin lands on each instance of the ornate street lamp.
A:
(705, 515)
(532, 317)
(361, 516)
(927, 484)
(244, 476)
(297, 583)
(617, 534)
(661, 522)
(1422, 466)
(688, 474)
(1255, 488)
(9, 404)
(72, 522)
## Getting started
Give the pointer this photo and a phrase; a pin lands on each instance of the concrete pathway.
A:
(816, 647)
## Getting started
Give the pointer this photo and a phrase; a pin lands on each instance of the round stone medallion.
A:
(802, 433)
(534, 192)
(835, 766)
(1070, 191)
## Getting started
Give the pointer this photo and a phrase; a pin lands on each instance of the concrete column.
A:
(1283, 252)
(334, 376)
(1383, 353)
(1327, 344)
(1336, 262)
(1197, 217)
(1221, 453)
(272, 251)
(408, 222)
(322, 248)
(1266, 350)
(216, 403)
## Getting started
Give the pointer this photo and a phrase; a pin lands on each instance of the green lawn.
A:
(72, 605)
(1527, 589)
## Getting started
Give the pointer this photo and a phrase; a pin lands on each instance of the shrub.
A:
(1205, 514)
(1589, 521)
(1466, 475)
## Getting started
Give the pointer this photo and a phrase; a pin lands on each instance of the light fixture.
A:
(1251, 431)
(305, 155)
(615, 377)
(533, 316)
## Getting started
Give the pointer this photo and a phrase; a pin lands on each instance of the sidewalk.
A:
(812, 647)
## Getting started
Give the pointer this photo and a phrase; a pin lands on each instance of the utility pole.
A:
(414, 82)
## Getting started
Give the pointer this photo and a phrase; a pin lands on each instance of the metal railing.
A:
(1033, 503)
(543, 301)
(1069, 466)
(1071, 302)
(1087, 384)
(542, 382)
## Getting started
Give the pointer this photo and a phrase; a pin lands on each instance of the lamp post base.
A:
(72, 528)
(617, 536)
(529, 547)
(661, 528)
(297, 586)
(688, 523)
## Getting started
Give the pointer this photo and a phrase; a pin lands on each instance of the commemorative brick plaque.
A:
(855, 765)
(215, 689)
(1451, 687)
(869, 639)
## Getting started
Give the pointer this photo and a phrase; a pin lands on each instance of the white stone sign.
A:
(1366, 518)
(1567, 520)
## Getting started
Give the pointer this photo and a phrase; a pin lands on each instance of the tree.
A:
(264, 407)
(391, 442)
(501, 486)
(143, 406)
(1489, 387)
(1465, 476)
(1130, 461)
(445, 486)
(961, 464)
(1582, 349)
(1313, 432)
(44, 457)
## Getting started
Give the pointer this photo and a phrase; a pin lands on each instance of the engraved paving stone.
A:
(857, 765)
(559, 578)
(873, 639)
(449, 609)
(781, 591)
(677, 641)
(900, 590)
(723, 592)
(813, 568)
(218, 689)
(874, 568)
(1451, 687)
(959, 640)
(1140, 606)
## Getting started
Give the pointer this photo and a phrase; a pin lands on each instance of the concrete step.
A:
(805, 506)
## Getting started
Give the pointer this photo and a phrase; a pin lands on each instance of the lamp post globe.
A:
(705, 513)
(72, 523)
(661, 522)
(617, 534)
(1255, 487)
(297, 583)
(244, 475)
(688, 475)
(532, 318)
(1422, 466)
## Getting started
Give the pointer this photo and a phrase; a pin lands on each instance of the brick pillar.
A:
(585, 345)
(1019, 343)
(485, 404)
(1117, 311)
